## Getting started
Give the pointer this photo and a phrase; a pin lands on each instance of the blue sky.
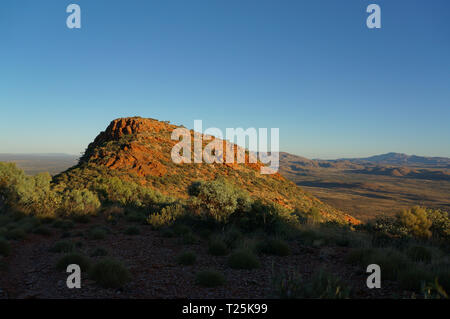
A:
(312, 68)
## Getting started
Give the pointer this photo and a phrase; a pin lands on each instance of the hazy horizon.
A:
(281, 151)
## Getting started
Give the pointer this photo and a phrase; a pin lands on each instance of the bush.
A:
(110, 273)
(166, 217)
(79, 202)
(132, 231)
(73, 258)
(217, 248)
(390, 261)
(416, 221)
(209, 278)
(419, 253)
(28, 194)
(187, 258)
(288, 286)
(322, 285)
(218, 199)
(232, 237)
(440, 223)
(273, 247)
(243, 259)
(269, 217)
(62, 247)
(5, 248)
(413, 278)
(115, 190)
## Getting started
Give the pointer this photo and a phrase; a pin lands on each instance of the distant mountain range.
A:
(390, 164)
(402, 160)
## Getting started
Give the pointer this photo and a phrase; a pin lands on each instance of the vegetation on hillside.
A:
(240, 217)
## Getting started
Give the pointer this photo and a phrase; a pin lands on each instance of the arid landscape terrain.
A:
(141, 226)
(370, 187)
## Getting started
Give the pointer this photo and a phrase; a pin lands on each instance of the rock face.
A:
(139, 149)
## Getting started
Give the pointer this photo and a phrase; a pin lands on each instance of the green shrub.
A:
(79, 202)
(270, 217)
(217, 199)
(413, 278)
(110, 273)
(273, 247)
(209, 278)
(419, 253)
(324, 285)
(187, 258)
(232, 237)
(321, 285)
(416, 221)
(28, 194)
(288, 285)
(62, 247)
(243, 259)
(99, 252)
(166, 217)
(440, 223)
(5, 248)
(132, 231)
(217, 248)
(115, 190)
(73, 258)
(390, 261)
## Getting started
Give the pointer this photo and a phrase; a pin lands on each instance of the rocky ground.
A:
(151, 258)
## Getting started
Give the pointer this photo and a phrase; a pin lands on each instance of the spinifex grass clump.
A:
(321, 285)
(273, 247)
(243, 259)
(110, 273)
(217, 248)
(76, 259)
(187, 258)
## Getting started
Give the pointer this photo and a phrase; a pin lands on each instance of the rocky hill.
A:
(139, 150)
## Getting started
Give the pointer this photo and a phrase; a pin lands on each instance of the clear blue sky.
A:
(312, 68)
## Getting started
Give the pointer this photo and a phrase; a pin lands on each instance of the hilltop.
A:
(138, 150)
